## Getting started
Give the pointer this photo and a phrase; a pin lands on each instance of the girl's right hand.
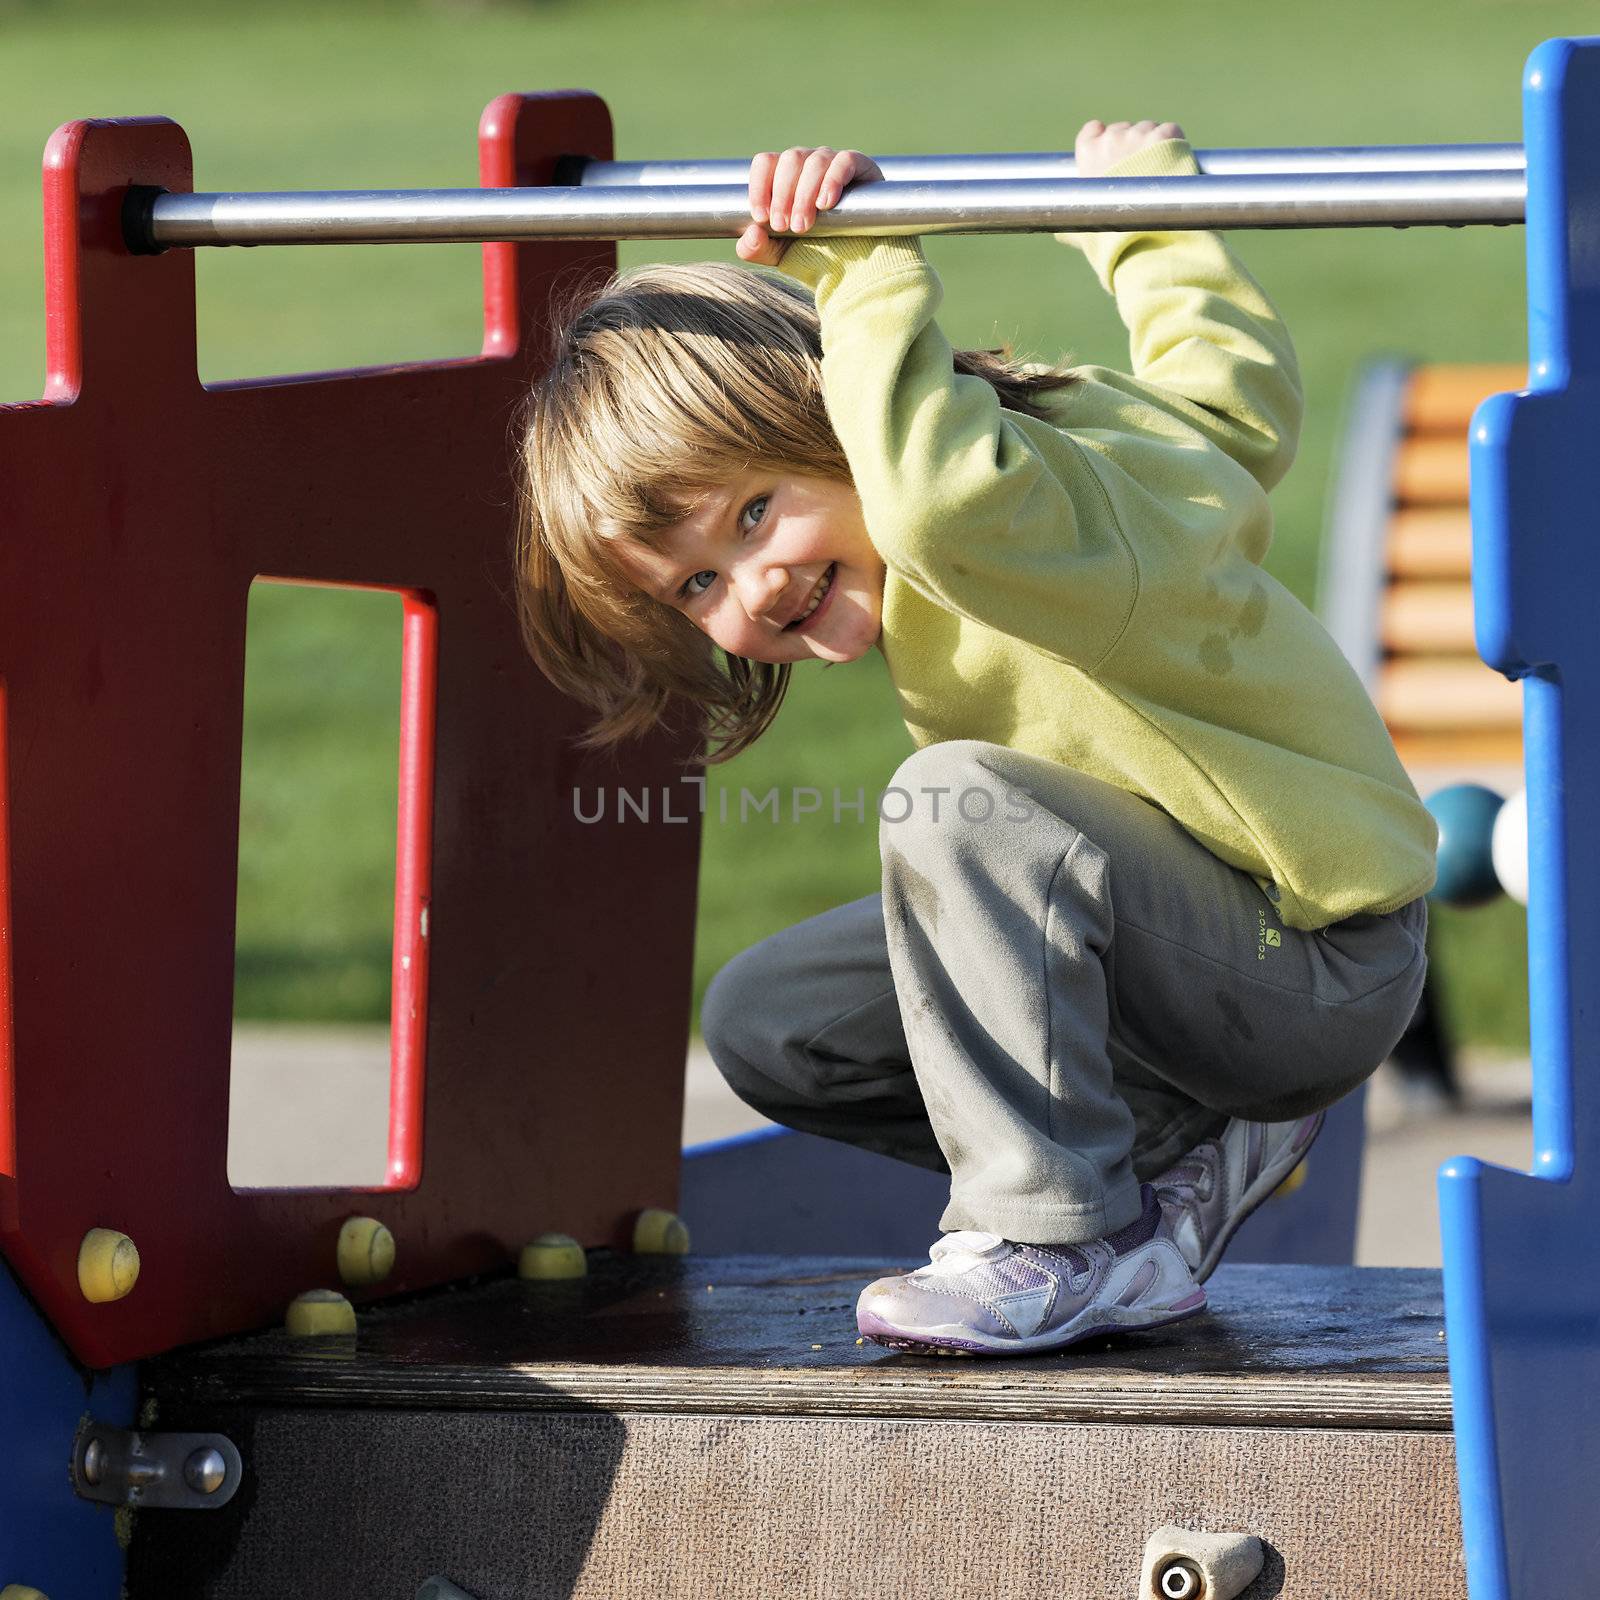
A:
(787, 191)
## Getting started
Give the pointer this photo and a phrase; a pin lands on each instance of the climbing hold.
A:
(1184, 1565)
(437, 1588)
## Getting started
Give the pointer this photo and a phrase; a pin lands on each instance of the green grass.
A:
(317, 803)
(388, 95)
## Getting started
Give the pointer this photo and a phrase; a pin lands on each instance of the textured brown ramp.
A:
(711, 1428)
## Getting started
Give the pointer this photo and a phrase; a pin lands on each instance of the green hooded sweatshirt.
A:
(1089, 589)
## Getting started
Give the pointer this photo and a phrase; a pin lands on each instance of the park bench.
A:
(1396, 590)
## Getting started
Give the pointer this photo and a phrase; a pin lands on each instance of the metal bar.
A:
(1308, 200)
(1053, 164)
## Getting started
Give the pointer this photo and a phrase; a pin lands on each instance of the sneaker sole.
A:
(1101, 1322)
(1268, 1181)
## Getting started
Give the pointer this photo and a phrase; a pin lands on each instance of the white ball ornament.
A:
(1508, 847)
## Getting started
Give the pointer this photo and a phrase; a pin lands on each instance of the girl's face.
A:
(748, 566)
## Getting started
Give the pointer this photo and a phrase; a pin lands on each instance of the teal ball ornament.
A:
(1466, 814)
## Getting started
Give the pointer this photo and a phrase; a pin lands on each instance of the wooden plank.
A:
(1441, 399)
(1427, 619)
(1492, 756)
(747, 1335)
(1453, 692)
(1430, 542)
(1431, 471)
(1084, 1391)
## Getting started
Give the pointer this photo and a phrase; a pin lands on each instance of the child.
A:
(1152, 879)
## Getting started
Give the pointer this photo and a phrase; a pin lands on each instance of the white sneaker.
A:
(982, 1295)
(1210, 1191)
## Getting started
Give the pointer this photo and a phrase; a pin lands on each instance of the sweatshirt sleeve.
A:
(979, 508)
(1205, 342)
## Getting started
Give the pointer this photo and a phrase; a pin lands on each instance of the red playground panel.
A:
(542, 1006)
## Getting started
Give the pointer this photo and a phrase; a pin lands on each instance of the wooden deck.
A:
(711, 1427)
(1325, 1347)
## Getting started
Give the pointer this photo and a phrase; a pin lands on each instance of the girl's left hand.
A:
(1099, 147)
(787, 191)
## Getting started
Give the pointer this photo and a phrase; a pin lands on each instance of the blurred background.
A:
(387, 95)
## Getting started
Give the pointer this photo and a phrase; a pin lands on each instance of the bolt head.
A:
(659, 1233)
(108, 1265)
(205, 1471)
(552, 1255)
(319, 1312)
(94, 1462)
(1180, 1579)
(365, 1251)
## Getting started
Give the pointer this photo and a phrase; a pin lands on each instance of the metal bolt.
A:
(94, 1461)
(1181, 1580)
(205, 1471)
(108, 1266)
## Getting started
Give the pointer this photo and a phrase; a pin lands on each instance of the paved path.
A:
(311, 1105)
(312, 1109)
(1408, 1143)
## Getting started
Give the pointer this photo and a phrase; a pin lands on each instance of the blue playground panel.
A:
(1522, 1296)
(780, 1193)
(49, 1538)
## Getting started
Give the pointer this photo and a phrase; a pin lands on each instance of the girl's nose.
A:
(761, 590)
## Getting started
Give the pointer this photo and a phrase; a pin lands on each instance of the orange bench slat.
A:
(1421, 619)
(1430, 542)
(1441, 399)
(1426, 693)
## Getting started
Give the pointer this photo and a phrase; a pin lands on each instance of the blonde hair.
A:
(662, 387)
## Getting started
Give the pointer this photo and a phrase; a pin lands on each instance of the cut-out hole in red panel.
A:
(332, 935)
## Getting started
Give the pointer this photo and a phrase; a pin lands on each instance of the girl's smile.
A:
(818, 602)
(776, 568)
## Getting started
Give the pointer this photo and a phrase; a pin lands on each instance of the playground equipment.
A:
(1483, 844)
(1432, 186)
(657, 1425)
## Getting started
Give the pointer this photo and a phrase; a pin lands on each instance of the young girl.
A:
(1152, 879)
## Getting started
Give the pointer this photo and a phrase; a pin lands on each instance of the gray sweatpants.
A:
(1058, 992)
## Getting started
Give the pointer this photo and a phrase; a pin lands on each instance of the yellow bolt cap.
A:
(366, 1251)
(659, 1233)
(22, 1591)
(552, 1255)
(320, 1311)
(1294, 1181)
(108, 1265)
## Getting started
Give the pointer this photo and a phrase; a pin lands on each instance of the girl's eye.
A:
(754, 511)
